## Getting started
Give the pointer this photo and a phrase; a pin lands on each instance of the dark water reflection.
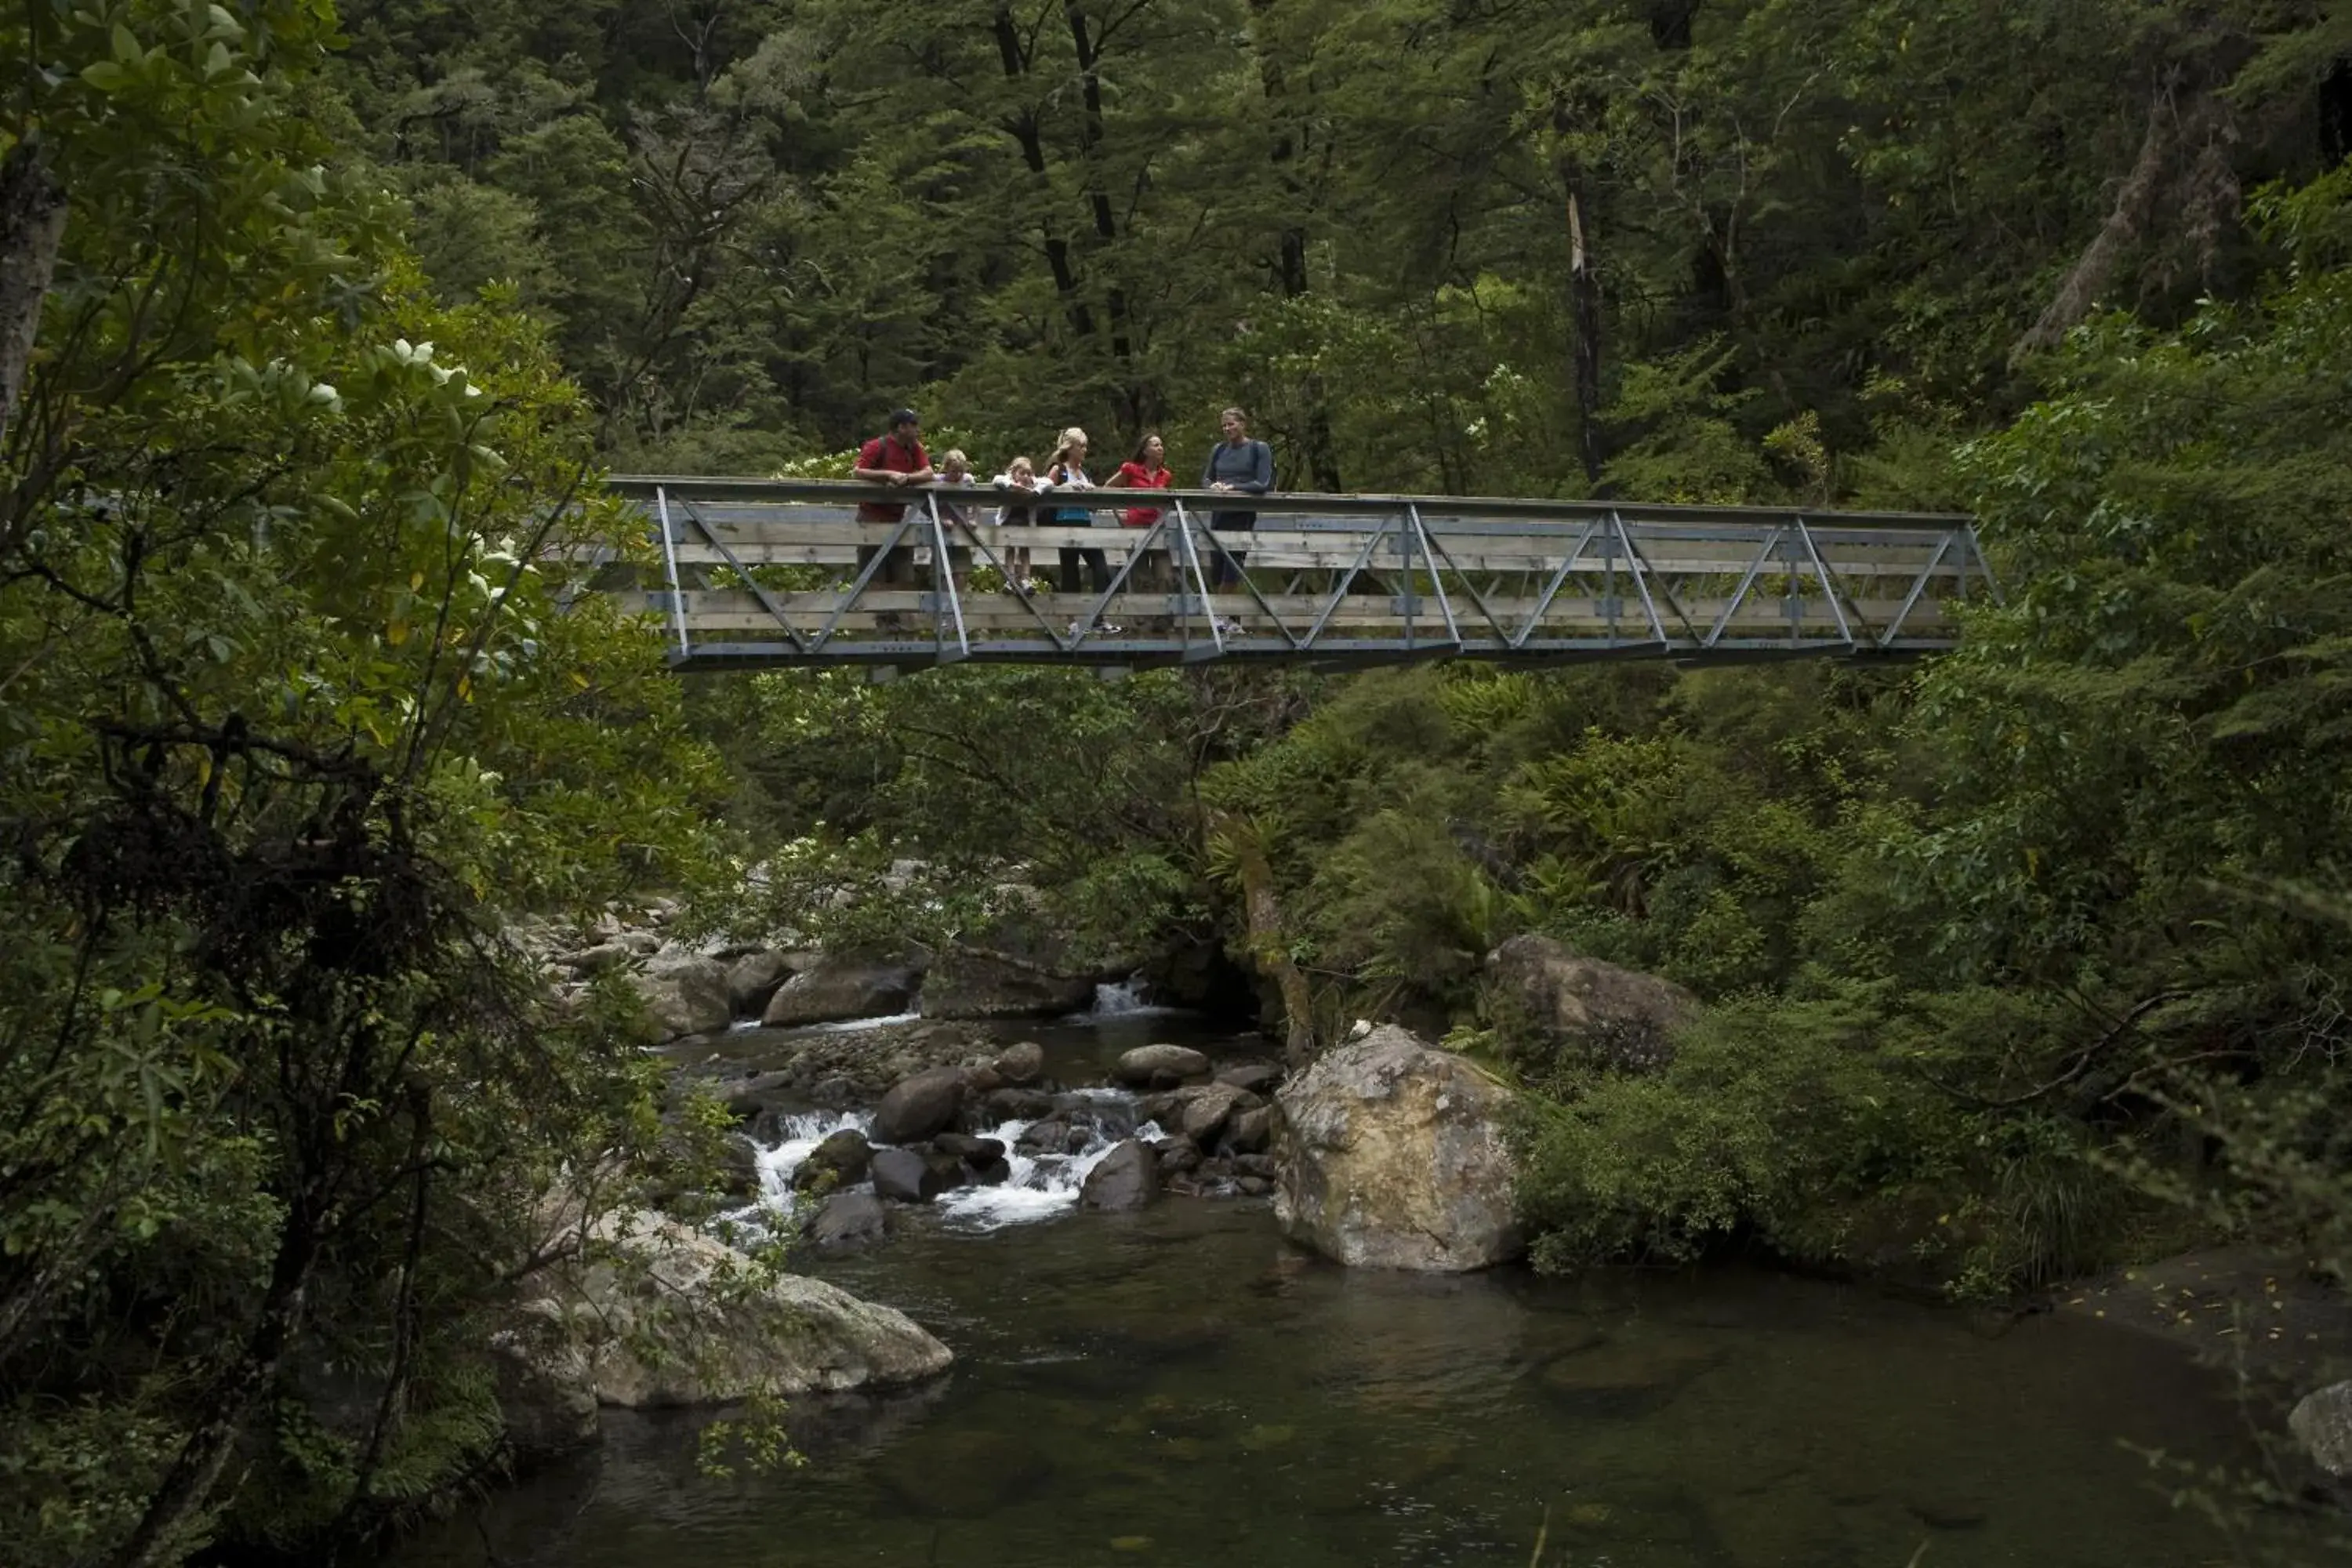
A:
(1181, 1387)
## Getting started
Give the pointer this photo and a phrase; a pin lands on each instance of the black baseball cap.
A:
(903, 416)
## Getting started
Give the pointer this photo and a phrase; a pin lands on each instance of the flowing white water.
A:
(1127, 998)
(851, 1025)
(1040, 1185)
(803, 1134)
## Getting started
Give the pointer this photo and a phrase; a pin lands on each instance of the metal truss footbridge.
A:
(756, 573)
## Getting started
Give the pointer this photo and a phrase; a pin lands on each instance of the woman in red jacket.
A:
(1146, 470)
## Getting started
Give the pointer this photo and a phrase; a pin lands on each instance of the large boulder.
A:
(1552, 1006)
(1126, 1178)
(668, 1316)
(839, 1160)
(752, 979)
(1206, 1111)
(1021, 1063)
(1159, 1066)
(2322, 1422)
(685, 995)
(966, 985)
(910, 1176)
(844, 985)
(1258, 1078)
(845, 1220)
(546, 1390)
(920, 1107)
(1391, 1155)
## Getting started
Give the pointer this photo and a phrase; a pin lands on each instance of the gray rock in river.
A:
(546, 1390)
(1126, 1178)
(1251, 1131)
(685, 995)
(1159, 1066)
(754, 1095)
(840, 1160)
(1206, 1111)
(1021, 1063)
(844, 985)
(668, 1316)
(908, 1176)
(1391, 1155)
(848, 1220)
(752, 979)
(1050, 1135)
(2322, 1422)
(1015, 1105)
(920, 1107)
(1258, 1078)
(965, 984)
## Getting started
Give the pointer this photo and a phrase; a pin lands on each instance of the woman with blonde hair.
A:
(1067, 470)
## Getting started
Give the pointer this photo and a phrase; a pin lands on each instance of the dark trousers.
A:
(1228, 572)
(898, 567)
(1096, 562)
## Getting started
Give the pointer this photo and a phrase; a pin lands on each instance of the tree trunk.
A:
(1321, 448)
(1029, 134)
(1140, 400)
(2133, 211)
(32, 228)
(1584, 308)
(1269, 949)
(186, 1487)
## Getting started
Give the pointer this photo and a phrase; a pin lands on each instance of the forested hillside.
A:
(1684, 249)
(315, 323)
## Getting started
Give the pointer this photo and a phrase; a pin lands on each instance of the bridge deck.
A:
(758, 572)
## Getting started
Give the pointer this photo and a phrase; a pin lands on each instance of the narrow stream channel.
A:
(1181, 1386)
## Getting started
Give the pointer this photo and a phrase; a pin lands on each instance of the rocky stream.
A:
(1110, 1289)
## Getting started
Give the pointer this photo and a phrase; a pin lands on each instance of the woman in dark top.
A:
(1244, 467)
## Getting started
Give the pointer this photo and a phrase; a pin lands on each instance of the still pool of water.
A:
(1180, 1386)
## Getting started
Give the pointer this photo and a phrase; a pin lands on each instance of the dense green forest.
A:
(316, 323)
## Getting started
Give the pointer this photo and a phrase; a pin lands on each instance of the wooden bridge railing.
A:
(760, 571)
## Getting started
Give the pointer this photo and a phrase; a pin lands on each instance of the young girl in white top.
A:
(1021, 475)
(955, 473)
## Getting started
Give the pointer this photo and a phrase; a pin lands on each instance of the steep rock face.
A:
(1551, 1004)
(1390, 1154)
(2323, 1421)
(967, 985)
(668, 1316)
(844, 985)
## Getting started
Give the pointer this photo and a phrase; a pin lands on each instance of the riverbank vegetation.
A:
(2019, 963)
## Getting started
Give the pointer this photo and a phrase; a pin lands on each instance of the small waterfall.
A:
(801, 1133)
(1124, 998)
(1040, 1187)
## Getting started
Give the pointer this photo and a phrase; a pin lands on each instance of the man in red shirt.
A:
(894, 459)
